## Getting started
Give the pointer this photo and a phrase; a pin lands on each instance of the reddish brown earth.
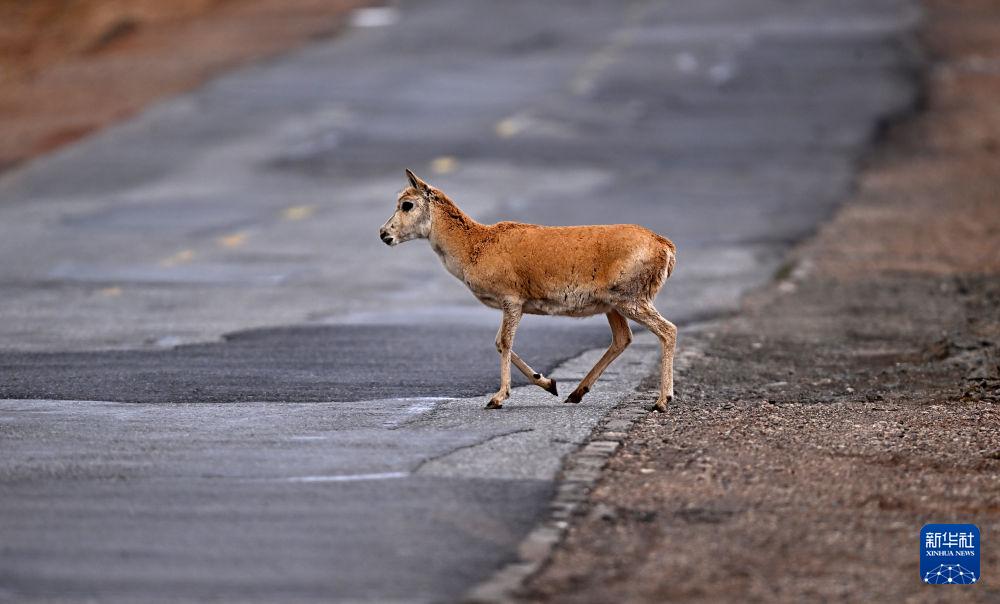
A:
(68, 67)
(850, 402)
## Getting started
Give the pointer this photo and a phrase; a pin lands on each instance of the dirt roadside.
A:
(850, 402)
(69, 67)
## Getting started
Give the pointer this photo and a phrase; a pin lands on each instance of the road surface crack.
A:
(477, 443)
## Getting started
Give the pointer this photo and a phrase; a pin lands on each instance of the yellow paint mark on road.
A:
(180, 257)
(233, 239)
(510, 126)
(444, 164)
(298, 212)
(585, 80)
(111, 292)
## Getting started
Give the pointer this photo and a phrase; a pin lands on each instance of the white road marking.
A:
(417, 405)
(349, 477)
(379, 16)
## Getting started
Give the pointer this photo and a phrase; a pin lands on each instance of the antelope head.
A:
(412, 218)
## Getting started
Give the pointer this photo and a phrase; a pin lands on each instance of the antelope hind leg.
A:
(536, 378)
(621, 337)
(666, 332)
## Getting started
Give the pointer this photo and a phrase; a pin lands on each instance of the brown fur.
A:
(525, 268)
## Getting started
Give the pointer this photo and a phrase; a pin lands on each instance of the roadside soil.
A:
(68, 67)
(849, 403)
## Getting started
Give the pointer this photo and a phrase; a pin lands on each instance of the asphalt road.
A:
(219, 385)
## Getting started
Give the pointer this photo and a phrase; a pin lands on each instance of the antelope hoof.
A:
(494, 405)
(577, 395)
(552, 387)
(661, 406)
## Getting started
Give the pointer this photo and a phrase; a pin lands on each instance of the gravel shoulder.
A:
(850, 401)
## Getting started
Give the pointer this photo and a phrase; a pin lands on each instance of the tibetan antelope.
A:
(525, 268)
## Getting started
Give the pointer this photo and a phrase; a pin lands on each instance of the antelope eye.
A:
(406, 206)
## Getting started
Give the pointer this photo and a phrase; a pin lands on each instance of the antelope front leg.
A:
(505, 339)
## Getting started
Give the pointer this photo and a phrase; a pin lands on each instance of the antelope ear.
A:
(417, 183)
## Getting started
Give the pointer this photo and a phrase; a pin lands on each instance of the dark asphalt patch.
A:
(301, 364)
